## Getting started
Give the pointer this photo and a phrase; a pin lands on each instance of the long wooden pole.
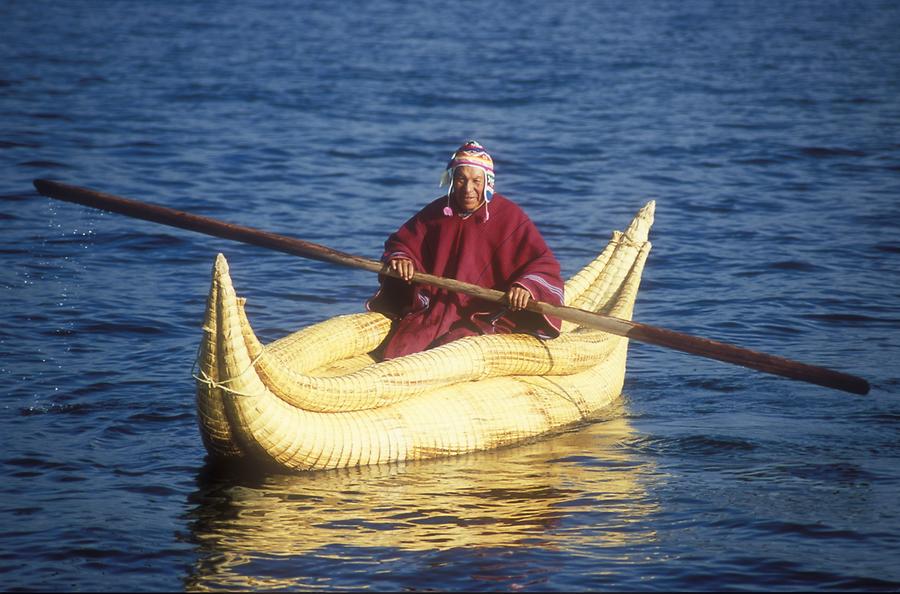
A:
(694, 345)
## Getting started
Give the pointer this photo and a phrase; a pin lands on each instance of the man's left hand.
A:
(517, 298)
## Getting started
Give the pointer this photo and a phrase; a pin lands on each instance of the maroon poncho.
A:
(495, 251)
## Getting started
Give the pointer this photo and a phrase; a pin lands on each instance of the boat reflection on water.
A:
(580, 488)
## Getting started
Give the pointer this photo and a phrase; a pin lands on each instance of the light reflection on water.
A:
(579, 489)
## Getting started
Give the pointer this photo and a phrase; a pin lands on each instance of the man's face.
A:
(468, 187)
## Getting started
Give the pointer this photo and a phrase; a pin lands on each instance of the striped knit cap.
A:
(472, 154)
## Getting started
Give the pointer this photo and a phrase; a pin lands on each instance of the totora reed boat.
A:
(316, 399)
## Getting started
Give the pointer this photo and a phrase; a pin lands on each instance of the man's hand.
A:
(403, 266)
(517, 297)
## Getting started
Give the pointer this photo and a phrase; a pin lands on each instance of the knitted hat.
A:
(471, 154)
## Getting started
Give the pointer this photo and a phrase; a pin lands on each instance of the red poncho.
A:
(495, 251)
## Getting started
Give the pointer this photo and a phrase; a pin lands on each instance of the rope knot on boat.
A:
(213, 384)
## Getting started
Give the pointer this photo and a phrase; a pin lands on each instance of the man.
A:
(475, 236)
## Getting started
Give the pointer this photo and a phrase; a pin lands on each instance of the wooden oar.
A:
(636, 331)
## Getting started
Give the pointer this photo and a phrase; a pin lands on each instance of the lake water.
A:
(767, 132)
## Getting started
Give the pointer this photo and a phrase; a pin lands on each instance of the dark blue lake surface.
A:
(767, 132)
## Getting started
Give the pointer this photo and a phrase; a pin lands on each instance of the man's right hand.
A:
(403, 266)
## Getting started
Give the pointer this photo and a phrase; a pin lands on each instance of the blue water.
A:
(767, 132)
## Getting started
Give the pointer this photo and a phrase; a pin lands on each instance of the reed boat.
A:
(317, 399)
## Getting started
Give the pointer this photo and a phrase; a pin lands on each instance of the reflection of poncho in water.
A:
(494, 251)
